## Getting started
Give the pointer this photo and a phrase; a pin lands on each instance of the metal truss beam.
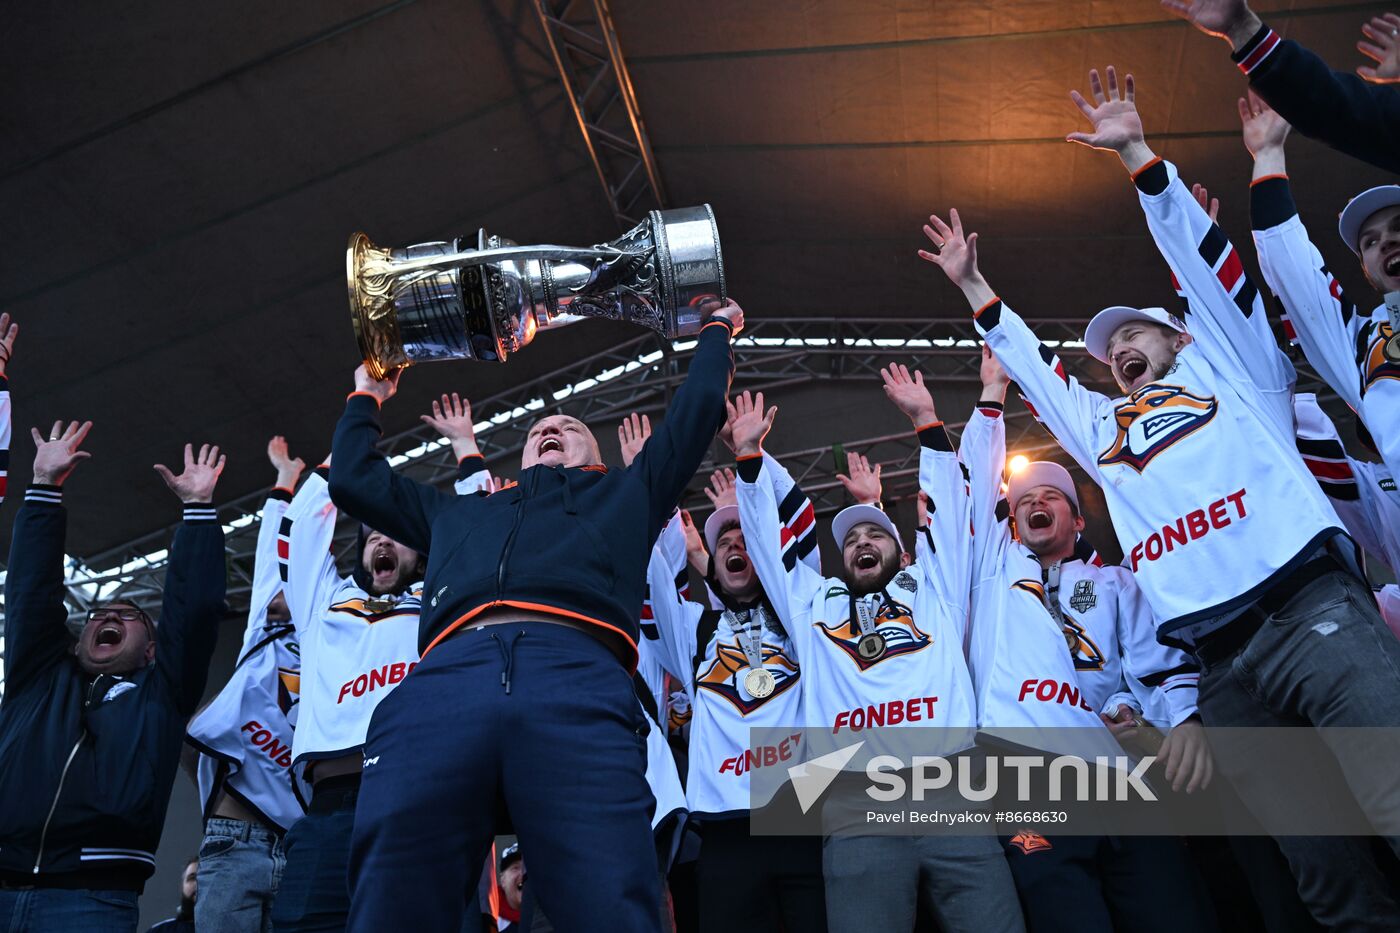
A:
(583, 43)
(637, 375)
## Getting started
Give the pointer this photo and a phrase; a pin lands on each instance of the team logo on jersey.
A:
(726, 673)
(905, 580)
(117, 689)
(1082, 650)
(377, 609)
(1029, 842)
(288, 689)
(894, 621)
(1152, 419)
(1379, 365)
(1083, 598)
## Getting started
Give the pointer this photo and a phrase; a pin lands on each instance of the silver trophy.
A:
(441, 301)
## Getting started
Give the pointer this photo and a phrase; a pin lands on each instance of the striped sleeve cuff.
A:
(988, 316)
(1253, 53)
(201, 513)
(749, 467)
(4, 383)
(470, 465)
(41, 492)
(934, 437)
(1152, 178)
(323, 471)
(1270, 202)
(281, 494)
(990, 409)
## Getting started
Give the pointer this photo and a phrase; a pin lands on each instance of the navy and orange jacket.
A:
(568, 541)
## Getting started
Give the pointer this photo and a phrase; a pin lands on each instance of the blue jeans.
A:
(562, 752)
(314, 896)
(1324, 659)
(240, 865)
(54, 910)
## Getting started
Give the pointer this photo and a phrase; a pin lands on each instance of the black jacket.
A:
(1334, 107)
(566, 541)
(87, 764)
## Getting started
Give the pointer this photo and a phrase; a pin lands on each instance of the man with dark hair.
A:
(524, 700)
(183, 921)
(92, 731)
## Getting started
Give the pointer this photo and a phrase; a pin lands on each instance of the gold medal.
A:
(1391, 350)
(759, 683)
(871, 646)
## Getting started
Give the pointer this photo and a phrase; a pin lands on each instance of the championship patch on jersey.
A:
(1083, 598)
(905, 581)
(1152, 419)
(727, 669)
(1382, 356)
(1082, 650)
(894, 624)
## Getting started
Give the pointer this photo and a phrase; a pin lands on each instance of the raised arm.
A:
(1348, 112)
(668, 460)
(8, 332)
(452, 418)
(304, 542)
(671, 627)
(35, 635)
(267, 563)
(1225, 313)
(1068, 410)
(193, 597)
(982, 448)
(789, 585)
(361, 480)
(1320, 316)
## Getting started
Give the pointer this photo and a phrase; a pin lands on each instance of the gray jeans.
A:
(240, 866)
(878, 882)
(1325, 659)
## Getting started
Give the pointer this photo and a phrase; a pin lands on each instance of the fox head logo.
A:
(1029, 842)
(1154, 418)
(1378, 365)
(894, 620)
(726, 674)
(1086, 654)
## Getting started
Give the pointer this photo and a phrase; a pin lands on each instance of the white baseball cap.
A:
(717, 520)
(1041, 473)
(1110, 319)
(1360, 208)
(853, 515)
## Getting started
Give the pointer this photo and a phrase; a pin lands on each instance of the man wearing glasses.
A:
(90, 733)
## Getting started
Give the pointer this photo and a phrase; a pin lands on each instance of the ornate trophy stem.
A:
(436, 301)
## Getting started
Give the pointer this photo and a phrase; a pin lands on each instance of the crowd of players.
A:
(527, 656)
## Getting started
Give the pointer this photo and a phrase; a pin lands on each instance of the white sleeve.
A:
(472, 476)
(1224, 310)
(1339, 476)
(982, 448)
(941, 478)
(311, 576)
(790, 589)
(1322, 317)
(796, 514)
(1067, 409)
(671, 628)
(1156, 666)
(267, 568)
(1124, 697)
(5, 429)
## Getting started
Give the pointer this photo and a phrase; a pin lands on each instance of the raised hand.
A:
(381, 389)
(1208, 204)
(863, 481)
(695, 554)
(994, 378)
(196, 483)
(55, 458)
(721, 489)
(452, 418)
(8, 332)
(953, 252)
(1384, 47)
(1114, 115)
(288, 468)
(749, 424)
(1263, 130)
(909, 394)
(1231, 20)
(732, 313)
(632, 436)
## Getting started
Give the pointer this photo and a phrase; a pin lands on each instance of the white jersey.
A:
(723, 711)
(1193, 465)
(921, 678)
(354, 648)
(1031, 682)
(5, 429)
(245, 733)
(1344, 344)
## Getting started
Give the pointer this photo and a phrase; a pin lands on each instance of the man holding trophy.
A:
(523, 700)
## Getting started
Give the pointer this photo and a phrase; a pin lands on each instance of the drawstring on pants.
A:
(507, 656)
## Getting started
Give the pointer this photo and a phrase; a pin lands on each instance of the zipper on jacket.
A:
(44, 833)
(510, 537)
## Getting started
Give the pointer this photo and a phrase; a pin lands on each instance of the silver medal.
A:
(759, 683)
